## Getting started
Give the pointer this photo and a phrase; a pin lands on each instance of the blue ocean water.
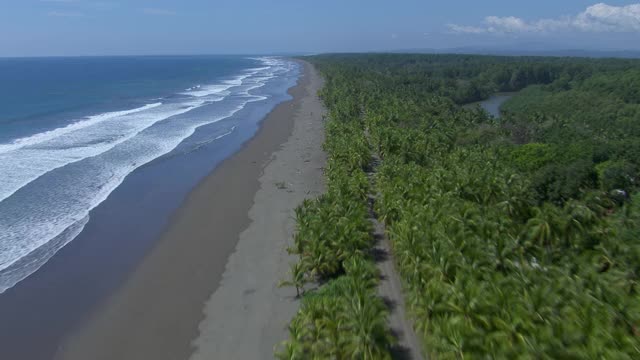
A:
(72, 130)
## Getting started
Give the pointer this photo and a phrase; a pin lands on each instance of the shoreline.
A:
(156, 312)
(41, 311)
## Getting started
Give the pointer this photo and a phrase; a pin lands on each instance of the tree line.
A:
(516, 237)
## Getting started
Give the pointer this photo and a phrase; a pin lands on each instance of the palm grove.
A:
(516, 237)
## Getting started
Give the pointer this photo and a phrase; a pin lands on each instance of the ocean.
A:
(74, 130)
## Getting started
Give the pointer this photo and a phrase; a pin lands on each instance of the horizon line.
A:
(454, 51)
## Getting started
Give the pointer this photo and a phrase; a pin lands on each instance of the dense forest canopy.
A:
(469, 78)
(516, 237)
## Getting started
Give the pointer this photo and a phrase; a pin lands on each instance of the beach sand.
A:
(208, 289)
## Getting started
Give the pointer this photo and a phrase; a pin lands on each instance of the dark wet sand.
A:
(156, 313)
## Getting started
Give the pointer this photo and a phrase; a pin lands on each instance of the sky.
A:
(146, 27)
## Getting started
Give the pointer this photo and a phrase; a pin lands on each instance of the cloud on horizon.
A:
(596, 18)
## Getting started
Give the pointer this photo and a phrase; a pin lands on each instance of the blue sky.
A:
(108, 27)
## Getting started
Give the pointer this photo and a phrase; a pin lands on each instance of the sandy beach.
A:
(208, 289)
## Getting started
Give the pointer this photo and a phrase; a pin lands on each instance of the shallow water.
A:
(77, 127)
(116, 200)
(493, 103)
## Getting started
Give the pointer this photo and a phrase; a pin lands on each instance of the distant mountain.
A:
(534, 50)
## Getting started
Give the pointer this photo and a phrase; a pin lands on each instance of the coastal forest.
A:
(515, 237)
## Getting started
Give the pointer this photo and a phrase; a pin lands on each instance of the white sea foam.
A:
(100, 175)
(83, 123)
(67, 172)
(217, 89)
(258, 69)
(27, 265)
(203, 143)
(27, 162)
(208, 90)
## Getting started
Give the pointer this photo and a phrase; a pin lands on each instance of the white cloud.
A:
(596, 18)
(466, 29)
(65, 14)
(509, 23)
(156, 11)
(603, 17)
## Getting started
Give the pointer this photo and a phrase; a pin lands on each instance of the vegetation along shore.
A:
(514, 237)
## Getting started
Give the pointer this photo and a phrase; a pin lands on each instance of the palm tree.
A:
(369, 337)
(298, 277)
(545, 228)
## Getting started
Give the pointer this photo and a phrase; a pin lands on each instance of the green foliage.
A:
(561, 182)
(343, 318)
(532, 156)
(506, 242)
(618, 174)
(330, 230)
(580, 122)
